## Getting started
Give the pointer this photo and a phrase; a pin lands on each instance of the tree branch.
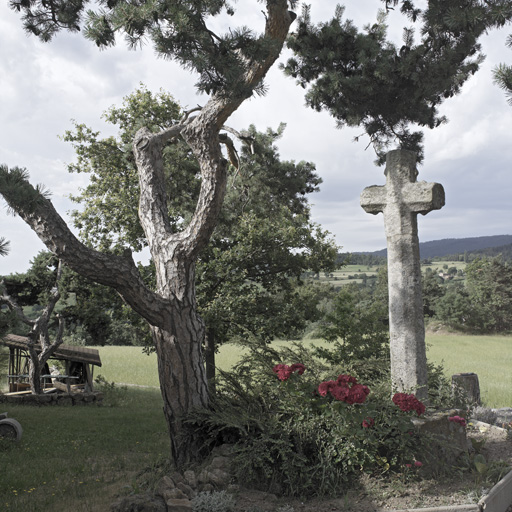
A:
(118, 272)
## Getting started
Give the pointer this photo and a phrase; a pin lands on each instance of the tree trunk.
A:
(209, 359)
(181, 369)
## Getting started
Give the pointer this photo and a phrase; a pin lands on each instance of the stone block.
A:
(190, 478)
(450, 441)
(179, 505)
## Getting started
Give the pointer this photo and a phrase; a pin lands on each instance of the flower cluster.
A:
(417, 464)
(458, 419)
(284, 371)
(408, 403)
(345, 389)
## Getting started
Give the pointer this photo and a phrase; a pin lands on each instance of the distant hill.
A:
(476, 246)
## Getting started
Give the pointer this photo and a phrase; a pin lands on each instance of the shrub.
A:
(313, 433)
(213, 502)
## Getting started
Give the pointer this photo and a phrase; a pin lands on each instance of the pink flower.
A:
(418, 464)
(325, 387)
(284, 371)
(345, 389)
(368, 422)
(408, 403)
(458, 419)
(408, 465)
(299, 367)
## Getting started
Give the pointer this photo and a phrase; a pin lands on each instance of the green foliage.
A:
(484, 304)
(217, 501)
(290, 439)
(357, 327)
(363, 79)
(18, 193)
(248, 278)
(4, 246)
(502, 75)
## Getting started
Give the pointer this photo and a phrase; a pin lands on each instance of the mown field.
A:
(354, 273)
(490, 357)
(80, 458)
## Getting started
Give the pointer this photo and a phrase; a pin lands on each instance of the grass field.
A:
(490, 357)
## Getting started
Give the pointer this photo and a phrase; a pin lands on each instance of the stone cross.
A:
(400, 200)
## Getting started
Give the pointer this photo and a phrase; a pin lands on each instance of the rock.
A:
(179, 506)
(140, 503)
(190, 478)
(206, 488)
(186, 489)
(219, 478)
(174, 494)
(165, 484)
(224, 450)
(450, 436)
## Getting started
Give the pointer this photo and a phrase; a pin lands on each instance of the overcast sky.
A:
(43, 87)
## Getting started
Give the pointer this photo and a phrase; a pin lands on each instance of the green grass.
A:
(490, 357)
(79, 458)
(128, 365)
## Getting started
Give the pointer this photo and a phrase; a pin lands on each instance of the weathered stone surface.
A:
(179, 506)
(467, 383)
(400, 201)
(219, 478)
(186, 489)
(450, 441)
(174, 494)
(220, 462)
(190, 478)
(140, 503)
(54, 399)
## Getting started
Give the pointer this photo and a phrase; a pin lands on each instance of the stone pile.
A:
(53, 399)
(175, 492)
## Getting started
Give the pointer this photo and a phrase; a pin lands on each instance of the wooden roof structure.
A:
(63, 353)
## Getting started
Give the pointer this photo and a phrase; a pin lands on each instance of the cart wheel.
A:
(10, 429)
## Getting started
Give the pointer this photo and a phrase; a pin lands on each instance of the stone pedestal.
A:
(449, 438)
(468, 384)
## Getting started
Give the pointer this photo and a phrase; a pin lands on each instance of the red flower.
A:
(368, 422)
(345, 389)
(325, 387)
(299, 367)
(458, 419)
(418, 464)
(408, 403)
(284, 371)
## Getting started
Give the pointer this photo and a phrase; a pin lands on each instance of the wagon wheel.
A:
(10, 429)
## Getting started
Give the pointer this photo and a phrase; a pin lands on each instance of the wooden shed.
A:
(78, 362)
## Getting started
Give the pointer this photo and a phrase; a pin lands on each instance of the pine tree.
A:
(363, 79)
(231, 68)
(503, 75)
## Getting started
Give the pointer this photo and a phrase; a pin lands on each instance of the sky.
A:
(45, 86)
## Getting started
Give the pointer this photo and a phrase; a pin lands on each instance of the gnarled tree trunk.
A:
(170, 310)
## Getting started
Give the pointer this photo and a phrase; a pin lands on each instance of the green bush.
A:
(292, 440)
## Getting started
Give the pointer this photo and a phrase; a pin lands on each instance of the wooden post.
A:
(468, 384)
(68, 387)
